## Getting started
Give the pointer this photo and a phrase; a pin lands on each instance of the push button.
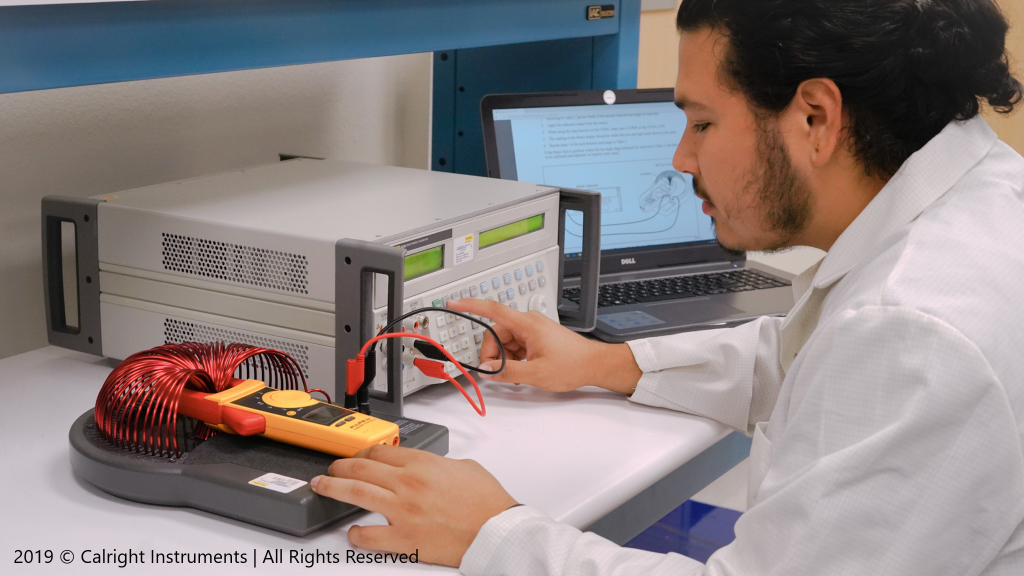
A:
(540, 266)
(522, 288)
(529, 270)
(437, 304)
(484, 287)
(533, 284)
(541, 281)
(502, 296)
(473, 291)
(465, 293)
(508, 278)
(519, 274)
(510, 293)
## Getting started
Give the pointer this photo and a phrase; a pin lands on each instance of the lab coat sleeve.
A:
(898, 453)
(732, 376)
(901, 455)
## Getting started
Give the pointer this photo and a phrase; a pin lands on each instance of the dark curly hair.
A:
(905, 68)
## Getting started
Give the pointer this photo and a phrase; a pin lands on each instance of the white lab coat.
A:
(887, 410)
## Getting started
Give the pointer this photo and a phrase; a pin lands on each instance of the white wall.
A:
(98, 139)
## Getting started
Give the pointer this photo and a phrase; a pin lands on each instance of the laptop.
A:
(662, 270)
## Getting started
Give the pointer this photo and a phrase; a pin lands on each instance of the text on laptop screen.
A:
(624, 151)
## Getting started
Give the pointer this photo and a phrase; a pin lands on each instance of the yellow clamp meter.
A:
(290, 416)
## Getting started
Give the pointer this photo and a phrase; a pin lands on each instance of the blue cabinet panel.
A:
(55, 46)
(531, 67)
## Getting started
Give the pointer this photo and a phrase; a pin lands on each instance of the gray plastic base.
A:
(214, 475)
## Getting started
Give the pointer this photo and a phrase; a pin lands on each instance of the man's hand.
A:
(557, 359)
(433, 504)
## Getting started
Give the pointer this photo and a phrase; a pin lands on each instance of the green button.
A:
(437, 304)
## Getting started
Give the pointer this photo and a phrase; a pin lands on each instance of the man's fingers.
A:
(516, 372)
(489, 350)
(392, 455)
(361, 494)
(384, 538)
(366, 470)
(517, 321)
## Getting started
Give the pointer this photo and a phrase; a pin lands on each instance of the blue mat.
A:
(695, 530)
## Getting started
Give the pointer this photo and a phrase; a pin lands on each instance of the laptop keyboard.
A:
(679, 287)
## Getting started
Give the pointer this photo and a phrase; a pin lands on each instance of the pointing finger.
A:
(516, 321)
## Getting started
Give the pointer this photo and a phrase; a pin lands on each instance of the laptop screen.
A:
(624, 151)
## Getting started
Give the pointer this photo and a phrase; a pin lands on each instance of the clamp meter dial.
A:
(289, 399)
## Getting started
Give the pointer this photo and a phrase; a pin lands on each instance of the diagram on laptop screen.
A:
(625, 152)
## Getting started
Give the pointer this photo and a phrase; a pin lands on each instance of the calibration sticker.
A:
(277, 483)
(464, 249)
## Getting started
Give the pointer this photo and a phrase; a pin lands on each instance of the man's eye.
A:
(701, 127)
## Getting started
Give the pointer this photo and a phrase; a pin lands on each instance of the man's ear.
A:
(818, 119)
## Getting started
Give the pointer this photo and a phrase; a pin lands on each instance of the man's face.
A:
(739, 163)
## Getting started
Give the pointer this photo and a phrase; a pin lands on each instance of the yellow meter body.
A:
(294, 417)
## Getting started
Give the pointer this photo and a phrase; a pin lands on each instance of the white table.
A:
(588, 458)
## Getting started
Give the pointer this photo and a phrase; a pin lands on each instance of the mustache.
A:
(700, 192)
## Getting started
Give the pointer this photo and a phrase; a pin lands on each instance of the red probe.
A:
(355, 369)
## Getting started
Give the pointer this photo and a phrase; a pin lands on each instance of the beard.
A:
(781, 195)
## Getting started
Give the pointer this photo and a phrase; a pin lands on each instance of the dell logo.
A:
(626, 261)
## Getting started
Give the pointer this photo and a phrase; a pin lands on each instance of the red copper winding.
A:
(137, 407)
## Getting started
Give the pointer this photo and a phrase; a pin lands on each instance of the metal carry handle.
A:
(83, 213)
(584, 317)
(356, 261)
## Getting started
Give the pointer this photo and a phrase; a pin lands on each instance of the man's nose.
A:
(685, 158)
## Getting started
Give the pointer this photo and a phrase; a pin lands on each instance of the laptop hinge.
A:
(700, 268)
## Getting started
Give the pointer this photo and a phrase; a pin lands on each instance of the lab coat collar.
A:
(927, 175)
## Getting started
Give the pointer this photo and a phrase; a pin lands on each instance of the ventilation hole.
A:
(178, 331)
(236, 263)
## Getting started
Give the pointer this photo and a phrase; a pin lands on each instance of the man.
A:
(887, 410)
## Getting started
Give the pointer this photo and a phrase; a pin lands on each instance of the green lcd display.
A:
(510, 231)
(424, 262)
